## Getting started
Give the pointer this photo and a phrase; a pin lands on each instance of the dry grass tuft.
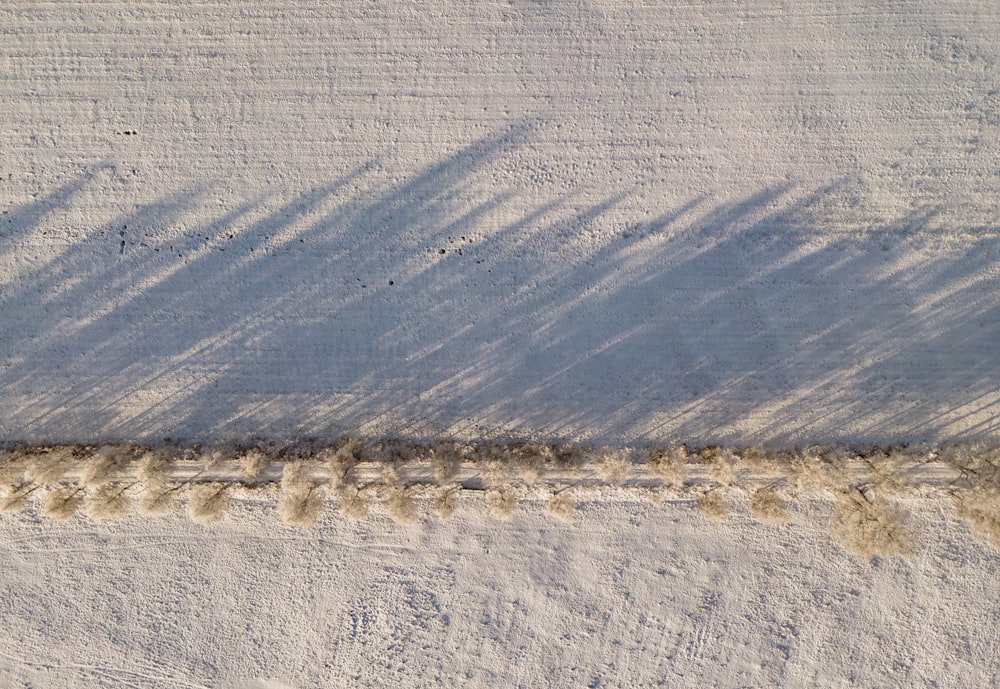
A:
(532, 461)
(153, 468)
(208, 502)
(869, 525)
(62, 503)
(760, 459)
(885, 474)
(353, 505)
(109, 501)
(342, 462)
(107, 464)
(17, 497)
(713, 506)
(500, 502)
(817, 470)
(446, 501)
(400, 505)
(48, 468)
(561, 506)
(302, 508)
(571, 458)
(13, 464)
(157, 500)
(721, 465)
(445, 461)
(252, 463)
(614, 468)
(215, 458)
(980, 507)
(391, 475)
(295, 476)
(301, 501)
(768, 505)
(495, 467)
(670, 465)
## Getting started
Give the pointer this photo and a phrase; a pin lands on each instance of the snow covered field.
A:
(607, 222)
(628, 595)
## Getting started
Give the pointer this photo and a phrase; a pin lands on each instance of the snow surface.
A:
(628, 595)
(718, 222)
(616, 222)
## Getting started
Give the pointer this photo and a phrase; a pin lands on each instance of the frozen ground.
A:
(615, 222)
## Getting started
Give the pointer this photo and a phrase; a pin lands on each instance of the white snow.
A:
(628, 595)
(612, 222)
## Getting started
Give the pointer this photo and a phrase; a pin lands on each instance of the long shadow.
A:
(446, 304)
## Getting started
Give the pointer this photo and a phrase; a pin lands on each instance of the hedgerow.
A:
(865, 487)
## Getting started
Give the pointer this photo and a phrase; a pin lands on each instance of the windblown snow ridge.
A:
(403, 478)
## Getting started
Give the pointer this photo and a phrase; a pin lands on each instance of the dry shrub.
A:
(816, 470)
(301, 508)
(341, 463)
(16, 498)
(532, 461)
(109, 501)
(157, 500)
(980, 507)
(153, 468)
(49, 468)
(721, 464)
(768, 505)
(12, 466)
(886, 471)
(446, 459)
(446, 501)
(869, 525)
(670, 465)
(107, 464)
(62, 503)
(252, 463)
(208, 502)
(500, 502)
(713, 506)
(761, 459)
(301, 501)
(400, 505)
(353, 505)
(561, 506)
(613, 468)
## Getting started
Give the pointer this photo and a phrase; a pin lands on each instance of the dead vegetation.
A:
(767, 504)
(870, 525)
(865, 486)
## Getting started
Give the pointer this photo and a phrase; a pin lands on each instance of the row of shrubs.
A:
(108, 481)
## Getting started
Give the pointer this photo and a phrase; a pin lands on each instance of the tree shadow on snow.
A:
(435, 307)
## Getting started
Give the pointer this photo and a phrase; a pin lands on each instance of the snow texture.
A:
(604, 221)
(598, 221)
